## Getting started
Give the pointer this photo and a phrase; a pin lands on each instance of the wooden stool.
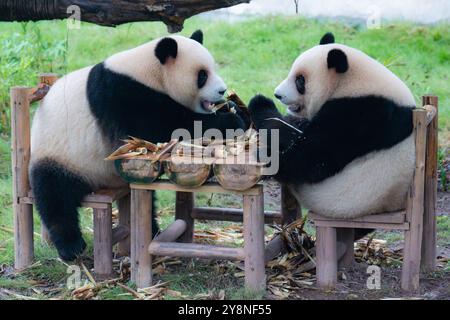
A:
(254, 254)
(418, 221)
(101, 201)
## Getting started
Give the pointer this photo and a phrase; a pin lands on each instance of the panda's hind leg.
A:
(58, 193)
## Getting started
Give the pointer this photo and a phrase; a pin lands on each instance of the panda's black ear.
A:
(166, 47)
(197, 36)
(338, 60)
(327, 38)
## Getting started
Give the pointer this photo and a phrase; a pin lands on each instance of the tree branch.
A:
(112, 13)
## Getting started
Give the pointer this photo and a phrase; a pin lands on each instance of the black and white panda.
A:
(356, 154)
(146, 92)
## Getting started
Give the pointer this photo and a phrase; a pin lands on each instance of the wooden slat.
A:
(255, 277)
(326, 257)
(429, 216)
(210, 187)
(415, 209)
(363, 225)
(93, 205)
(141, 236)
(234, 215)
(106, 196)
(384, 218)
(194, 250)
(102, 242)
(23, 212)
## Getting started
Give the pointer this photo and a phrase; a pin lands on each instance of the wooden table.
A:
(176, 240)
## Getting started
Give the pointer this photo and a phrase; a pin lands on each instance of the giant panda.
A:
(353, 152)
(146, 92)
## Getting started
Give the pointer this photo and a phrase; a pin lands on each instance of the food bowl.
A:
(136, 170)
(186, 173)
(238, 177)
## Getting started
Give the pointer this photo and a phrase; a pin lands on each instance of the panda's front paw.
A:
(261, 108)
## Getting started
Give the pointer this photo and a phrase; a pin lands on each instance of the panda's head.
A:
(178, 66)
(331, 71)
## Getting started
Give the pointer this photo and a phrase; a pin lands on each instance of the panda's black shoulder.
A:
(123, 106)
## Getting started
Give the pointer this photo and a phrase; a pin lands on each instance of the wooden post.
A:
(48, 79)
(429, 216)
(415, 208)
(183, 208)
(23, 213)
(290, 208)
(123, 204)
(103, 241)
(346, 236)
(255, 277)
(141, 237)
(326, 259)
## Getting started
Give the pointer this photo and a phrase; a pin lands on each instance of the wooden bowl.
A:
(138, 170)
(237, 177)
(187, 174)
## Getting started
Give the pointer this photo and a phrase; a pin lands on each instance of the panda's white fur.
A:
(374, 182)
(65, 130)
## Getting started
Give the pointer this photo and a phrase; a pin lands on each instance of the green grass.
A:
(253, 56)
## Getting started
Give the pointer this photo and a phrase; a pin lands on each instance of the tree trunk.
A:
(112, 13)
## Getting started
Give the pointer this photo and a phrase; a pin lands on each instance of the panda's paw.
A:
(70, 250)
(261, 108)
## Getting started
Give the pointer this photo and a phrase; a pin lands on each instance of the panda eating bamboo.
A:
(354, 152)
(146, 92)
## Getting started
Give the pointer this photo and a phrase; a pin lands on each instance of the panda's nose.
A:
(277, 96)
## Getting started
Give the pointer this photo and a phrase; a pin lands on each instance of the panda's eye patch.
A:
(202, 78)
(300, 84)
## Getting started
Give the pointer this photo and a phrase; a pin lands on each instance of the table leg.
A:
(141, 236)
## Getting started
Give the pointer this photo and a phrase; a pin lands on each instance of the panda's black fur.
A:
(58, 193)
(123, 106)
(343, 130)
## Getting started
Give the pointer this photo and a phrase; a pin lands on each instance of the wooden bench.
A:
(418, 220)
(101, 201)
